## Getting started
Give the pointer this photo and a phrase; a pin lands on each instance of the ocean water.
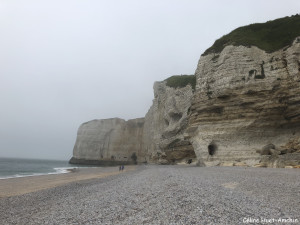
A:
(12, 168)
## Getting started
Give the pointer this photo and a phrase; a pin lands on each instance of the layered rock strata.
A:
(109, 142)
(245, 110)
(245, 99)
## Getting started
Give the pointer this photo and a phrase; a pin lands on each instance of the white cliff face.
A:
(245, 98)
(165, 124)
(156, 138)
(110, 140)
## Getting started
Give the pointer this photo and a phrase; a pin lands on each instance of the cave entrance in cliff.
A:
(212, 148)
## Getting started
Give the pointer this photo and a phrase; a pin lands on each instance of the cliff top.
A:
(181, 81)
(270, 36)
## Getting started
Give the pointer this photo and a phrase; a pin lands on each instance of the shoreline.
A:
(23, 185)
(63, 171)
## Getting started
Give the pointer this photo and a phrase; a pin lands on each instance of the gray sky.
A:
(65, 62)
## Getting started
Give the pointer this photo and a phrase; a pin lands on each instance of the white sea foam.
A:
(59, 170)
(16, 168)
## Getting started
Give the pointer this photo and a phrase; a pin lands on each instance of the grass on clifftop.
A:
(270, 36)
(181, 81)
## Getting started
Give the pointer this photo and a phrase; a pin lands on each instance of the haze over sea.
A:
(14, 167)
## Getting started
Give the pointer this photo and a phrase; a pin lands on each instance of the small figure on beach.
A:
(120, 167)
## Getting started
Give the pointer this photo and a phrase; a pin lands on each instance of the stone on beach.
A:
(163, 195)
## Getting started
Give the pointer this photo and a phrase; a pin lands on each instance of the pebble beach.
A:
(162, 195)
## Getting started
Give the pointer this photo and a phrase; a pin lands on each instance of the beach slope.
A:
(23, 185)
(164, 195)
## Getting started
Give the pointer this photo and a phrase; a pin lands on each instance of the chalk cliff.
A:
(109, 142)
(245, 99)
(244, 110)
(157, 138)
(165, 124)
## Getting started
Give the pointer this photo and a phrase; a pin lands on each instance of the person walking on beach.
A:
(120, 167)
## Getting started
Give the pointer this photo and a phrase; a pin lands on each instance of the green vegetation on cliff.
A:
(181, 81)
(270, 36)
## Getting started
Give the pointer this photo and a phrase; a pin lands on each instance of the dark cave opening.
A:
(212, 148)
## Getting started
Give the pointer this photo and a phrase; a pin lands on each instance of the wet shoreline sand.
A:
(22, 185)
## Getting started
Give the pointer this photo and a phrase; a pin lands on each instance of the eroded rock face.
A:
(245, 99)
(165, 124)
(109, 142)
(156, 138)
(245, 108)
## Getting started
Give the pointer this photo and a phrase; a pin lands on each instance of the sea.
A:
(13, 168)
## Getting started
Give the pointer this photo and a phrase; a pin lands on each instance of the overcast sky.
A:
(65, 62)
